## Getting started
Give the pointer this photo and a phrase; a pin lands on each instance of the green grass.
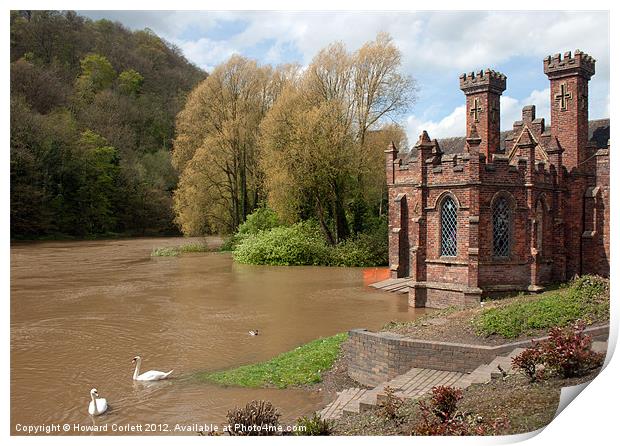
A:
(173, 251)
(586, 298)
(300, 366)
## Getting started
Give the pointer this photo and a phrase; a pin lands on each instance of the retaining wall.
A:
(377, 357)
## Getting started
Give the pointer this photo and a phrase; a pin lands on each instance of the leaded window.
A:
(501, 228)
(448, 227)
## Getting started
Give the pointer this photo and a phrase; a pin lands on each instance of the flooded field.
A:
(80, 311)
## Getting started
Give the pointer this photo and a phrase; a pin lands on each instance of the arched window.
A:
(501, 227)
(540, 225)
(448, 227)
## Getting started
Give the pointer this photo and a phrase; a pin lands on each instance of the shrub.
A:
(314, 425)
(569, 351)
(390, 406)
(256, 418)
(361, 250)
(439, 416)
(444, 401)
(528, 361)
(262, 219)
(299, 244)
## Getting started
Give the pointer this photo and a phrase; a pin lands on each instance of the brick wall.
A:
(557, 184)
(376, 357)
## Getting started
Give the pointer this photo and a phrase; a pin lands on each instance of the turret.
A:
(482, 92)
(569, 76)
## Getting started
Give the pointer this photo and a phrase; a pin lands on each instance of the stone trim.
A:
(375, 357)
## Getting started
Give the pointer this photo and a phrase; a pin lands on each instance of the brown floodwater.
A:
(80, 311)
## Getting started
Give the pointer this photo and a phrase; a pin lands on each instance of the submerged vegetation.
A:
(300, 366)
(173, 251)
(586, 298)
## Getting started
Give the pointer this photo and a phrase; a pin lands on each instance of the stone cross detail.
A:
(563, 96)
(476, 109)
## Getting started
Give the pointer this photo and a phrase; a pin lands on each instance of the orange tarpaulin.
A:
(373, 275)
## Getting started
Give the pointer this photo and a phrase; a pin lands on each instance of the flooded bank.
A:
(80, 311)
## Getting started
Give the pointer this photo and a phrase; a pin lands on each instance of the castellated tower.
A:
(486, 214)
(482, 91)
(569, 78)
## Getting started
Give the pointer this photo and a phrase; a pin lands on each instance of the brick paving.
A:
(418, 381)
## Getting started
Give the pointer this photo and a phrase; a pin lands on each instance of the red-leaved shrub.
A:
(569, 351)
(440, 416)
(527, 362)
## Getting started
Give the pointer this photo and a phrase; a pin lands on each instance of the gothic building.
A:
(498, 212)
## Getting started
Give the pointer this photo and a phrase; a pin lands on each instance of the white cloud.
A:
(451, 125)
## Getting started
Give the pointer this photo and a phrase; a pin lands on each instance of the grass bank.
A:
(301, 366)
(515, 318)
(585, 298)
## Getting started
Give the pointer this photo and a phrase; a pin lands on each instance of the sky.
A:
(437, 47)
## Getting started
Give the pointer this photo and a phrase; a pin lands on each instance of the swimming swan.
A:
(151, 375)
(253, 332)
(97, 406)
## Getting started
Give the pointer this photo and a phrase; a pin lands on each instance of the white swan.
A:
(151, 375)
(97, 406)
(253, 332)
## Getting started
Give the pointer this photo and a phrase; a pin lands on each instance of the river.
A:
(81, 310)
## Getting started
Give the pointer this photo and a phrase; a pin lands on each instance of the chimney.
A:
(482, 91)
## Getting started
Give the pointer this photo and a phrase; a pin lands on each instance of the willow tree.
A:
(215, 150)
(306, 151)
(326, 120)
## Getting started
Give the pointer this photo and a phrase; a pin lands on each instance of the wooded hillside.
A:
(93, 108)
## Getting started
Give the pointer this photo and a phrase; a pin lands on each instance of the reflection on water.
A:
(80, 311)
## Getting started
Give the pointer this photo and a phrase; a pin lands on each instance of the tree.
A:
(341, 99)
(130, 82)
(215, 150)
(97, 73)
(306, 155)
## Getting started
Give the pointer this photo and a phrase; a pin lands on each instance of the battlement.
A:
(558, 66)
(487, 80)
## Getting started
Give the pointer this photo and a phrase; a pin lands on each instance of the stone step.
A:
(335, 409)
(353, 405)
(417, 382)
(599, 346)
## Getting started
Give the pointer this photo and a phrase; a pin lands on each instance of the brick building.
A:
(499, 211)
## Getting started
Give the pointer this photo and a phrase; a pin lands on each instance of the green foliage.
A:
(304, 244)
(299, 244)
(194, 247)
(169, 251)
(314, 426)
(364, 249)
(97, 74)
(585, 298)
(173, 251)
(130, 82)
(91, 156)
(261, 219)
(300, 366)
